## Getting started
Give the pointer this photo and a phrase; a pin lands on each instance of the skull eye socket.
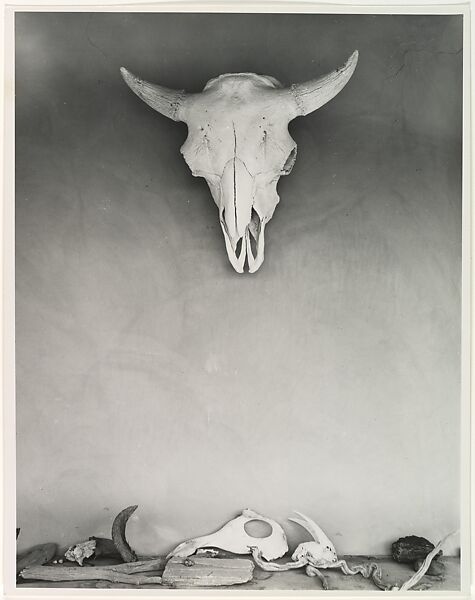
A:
(289, 163)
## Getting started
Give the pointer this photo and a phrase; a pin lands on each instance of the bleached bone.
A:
(238, 140)
(321, 554)
(234, 538)
(79, 552)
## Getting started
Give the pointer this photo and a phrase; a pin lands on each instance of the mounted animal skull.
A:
(238, 140)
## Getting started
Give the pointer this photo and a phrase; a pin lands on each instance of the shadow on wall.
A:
(149, 372)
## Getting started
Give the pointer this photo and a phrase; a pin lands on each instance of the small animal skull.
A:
(238, 140)
(318, 553)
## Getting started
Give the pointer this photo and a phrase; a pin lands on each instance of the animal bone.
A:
(79, 552)
(104, 547)
(321, 554)
(234, 538)
(238, 140)
(316, 555)
(118, 534)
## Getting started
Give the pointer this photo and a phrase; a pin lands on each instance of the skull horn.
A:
(164, 100)
(315, 93)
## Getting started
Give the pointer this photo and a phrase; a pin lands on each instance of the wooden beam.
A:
(196, 571)
(38, 555)
(132, 573)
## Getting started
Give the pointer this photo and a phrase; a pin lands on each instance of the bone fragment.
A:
(118, 534)
(79, 552)
(131, 573)
(213, 553)
(207, 572)
(234, 538)
(272, 566)
(38, 555)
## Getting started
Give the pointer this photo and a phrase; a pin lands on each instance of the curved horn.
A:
(315, 93)
(314, 530)
(162, 99)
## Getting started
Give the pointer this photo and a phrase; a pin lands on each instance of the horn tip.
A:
(127, 76)
(354, 57)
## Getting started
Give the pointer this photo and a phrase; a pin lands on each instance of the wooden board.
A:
(206, 572)
(39, 555)
(134, 573)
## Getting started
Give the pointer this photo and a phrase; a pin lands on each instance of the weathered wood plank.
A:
(38, 555)
(141, 566)
(133, 573)
(206, 572)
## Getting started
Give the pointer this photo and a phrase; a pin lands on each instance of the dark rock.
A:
(437, 567)
(409, 549)
(105, 547)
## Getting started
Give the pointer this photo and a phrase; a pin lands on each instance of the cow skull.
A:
(238, 140)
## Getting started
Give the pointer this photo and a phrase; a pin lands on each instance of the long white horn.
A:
(162, 99)
(314, 530)
(315, 93)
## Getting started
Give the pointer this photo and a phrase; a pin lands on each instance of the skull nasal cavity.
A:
(289, 163)
(236, 198)
(258, 529)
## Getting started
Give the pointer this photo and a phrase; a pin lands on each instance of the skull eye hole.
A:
(289, 163)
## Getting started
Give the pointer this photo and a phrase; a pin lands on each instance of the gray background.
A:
(149, 372)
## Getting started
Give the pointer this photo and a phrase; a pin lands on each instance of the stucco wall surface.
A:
(150, 373)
